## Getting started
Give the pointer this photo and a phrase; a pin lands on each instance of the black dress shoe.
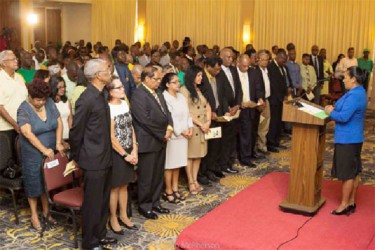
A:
(258, 156)
(148, 214)
(282, 147)
(231, 170)
(252, 165)
(352, 207)
(212, 177)
(273, 150)
(219, 174)
(203, 180)
(121, 232)
(134, 227)
(345, 211)
(161, 210)
(108, 241)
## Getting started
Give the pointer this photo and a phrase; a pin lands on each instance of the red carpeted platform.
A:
(252, 220)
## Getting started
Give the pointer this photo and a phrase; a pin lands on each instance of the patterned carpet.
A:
(162, 233)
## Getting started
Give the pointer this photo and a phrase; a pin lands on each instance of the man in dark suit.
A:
(317, 62)
(153, 126)
(212, 90)
(232, 99)
(279, 90)
(90, 143)
(251, 84)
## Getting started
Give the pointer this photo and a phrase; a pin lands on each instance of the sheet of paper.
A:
(317, 112)
(310, 96)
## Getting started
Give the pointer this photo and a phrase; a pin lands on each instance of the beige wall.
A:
(76, 22)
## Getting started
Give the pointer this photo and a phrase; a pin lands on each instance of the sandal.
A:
(175, 200)
(192, 191)
(199, 187)
(36, 228)
(178, 195)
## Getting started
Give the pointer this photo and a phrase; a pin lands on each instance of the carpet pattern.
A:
(162, 233)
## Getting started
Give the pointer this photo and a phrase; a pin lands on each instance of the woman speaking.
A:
(349, 115)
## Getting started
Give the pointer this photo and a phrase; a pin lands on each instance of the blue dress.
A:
(31, 157)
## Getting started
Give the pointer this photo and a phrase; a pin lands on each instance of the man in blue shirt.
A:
(294, 73)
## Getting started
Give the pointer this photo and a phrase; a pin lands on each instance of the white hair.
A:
(92, 67)
(4, 54)
(137, 69)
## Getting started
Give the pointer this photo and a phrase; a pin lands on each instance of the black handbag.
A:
(12, 171)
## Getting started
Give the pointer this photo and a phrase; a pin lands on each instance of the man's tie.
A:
(158, 100)
(316, 65)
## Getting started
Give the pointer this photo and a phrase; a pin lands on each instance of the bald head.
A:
(243, 63)
(226, 55)
(136, 73)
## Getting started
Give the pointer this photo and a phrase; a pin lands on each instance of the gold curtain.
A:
(332, 24)
(204, 21)
(113, 19)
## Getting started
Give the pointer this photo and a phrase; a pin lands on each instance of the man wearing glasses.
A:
(153, 126)
(12, 93)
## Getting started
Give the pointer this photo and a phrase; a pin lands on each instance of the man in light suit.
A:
(153, 126)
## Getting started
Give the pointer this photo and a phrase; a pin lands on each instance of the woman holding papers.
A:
(349, 114)
(177, 147)
(200, 112)
(124, 156)
(41, 133)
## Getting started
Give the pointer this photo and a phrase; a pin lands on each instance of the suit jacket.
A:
(231, 98)
(207, 92)
(261, 87)
(126, 78)
(319, 75)
(149, 121)
(278, 83)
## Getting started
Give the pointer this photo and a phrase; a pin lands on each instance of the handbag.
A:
(12, 171)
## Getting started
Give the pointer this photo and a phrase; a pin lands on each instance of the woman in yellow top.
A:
(328, 71)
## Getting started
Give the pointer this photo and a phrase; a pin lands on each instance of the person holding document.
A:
(349, 115)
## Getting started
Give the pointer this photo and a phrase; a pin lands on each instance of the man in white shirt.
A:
(264, 122)
(346, 63)
(12, 93)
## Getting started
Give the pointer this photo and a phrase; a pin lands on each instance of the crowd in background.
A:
(151, 109)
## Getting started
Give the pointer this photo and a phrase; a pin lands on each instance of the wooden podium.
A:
(306, 166)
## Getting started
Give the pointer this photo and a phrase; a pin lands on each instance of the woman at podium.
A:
(349, 115)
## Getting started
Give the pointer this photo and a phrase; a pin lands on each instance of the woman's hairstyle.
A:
(53, 82)
(41, 74)
(339, 57)
(189, 81)
(359, 74)
(38, 89)
(166, 79)
(111, 86)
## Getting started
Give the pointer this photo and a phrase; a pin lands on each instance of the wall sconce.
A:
(32, 19)
(246, 33)
(140, 33)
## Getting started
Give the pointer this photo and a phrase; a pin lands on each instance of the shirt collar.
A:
(150, 90)
(209, 76)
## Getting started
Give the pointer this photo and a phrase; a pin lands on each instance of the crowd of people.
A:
(151, 110)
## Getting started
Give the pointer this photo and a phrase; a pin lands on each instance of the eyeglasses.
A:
(63, 87)
(106, 70)
(13, 59)
(156, 79)
(119, 87)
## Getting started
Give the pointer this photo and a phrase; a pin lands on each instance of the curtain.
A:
(10, 18)
(204, 21)
(334, 25)
(113, 19)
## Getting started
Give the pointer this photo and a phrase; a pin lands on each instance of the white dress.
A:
(64, 110)
(177, 147)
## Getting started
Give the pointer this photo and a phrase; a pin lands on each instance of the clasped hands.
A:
(132, 158)
(328, 109)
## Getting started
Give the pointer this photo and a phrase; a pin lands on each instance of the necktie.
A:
(214, 89)
(158, 100)
(316, 65)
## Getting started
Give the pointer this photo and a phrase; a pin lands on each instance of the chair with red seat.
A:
(60, 190)
(335, 90)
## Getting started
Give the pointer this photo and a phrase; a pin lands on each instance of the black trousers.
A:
(276, 125)
(150, 178)
(7, 147)
(95, 207)
(247, 135)
(228, 143)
